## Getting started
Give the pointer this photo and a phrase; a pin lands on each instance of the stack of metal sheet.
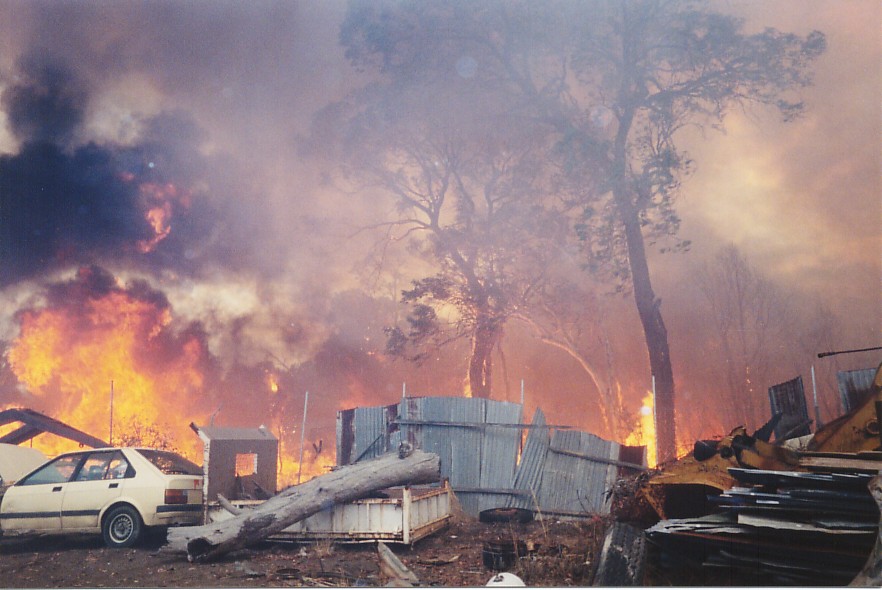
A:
(779, 527)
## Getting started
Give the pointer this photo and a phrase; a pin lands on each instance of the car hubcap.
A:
(121, 528)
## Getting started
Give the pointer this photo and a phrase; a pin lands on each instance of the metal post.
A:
(111, 412)
(654, 420)
(818, 423)
(302, 435)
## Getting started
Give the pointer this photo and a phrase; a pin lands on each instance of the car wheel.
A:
(122, 527)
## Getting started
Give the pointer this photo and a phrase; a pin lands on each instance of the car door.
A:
(92, 488)
(34, 503)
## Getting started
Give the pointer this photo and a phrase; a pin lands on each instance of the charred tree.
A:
(350, 482)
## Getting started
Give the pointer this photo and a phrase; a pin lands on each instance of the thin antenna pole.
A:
(111, 412)
(302, 435)
(817, 407)
(655, 418)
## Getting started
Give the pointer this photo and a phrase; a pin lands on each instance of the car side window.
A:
(119, 467)
(58, 471)
(95, 466)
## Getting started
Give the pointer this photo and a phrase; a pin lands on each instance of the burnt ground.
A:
(559, 554)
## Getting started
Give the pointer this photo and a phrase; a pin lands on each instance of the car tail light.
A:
(175, 496)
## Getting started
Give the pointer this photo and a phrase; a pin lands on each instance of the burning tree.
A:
(613, 83)
(471, 200)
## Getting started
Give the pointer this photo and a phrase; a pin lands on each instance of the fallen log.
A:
(347, 483)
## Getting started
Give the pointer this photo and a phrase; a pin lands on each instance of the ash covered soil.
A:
(561, 554)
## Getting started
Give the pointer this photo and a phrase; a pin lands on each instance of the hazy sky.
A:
(215, 95)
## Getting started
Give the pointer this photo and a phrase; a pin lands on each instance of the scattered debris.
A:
(871, 574)
(35, 423)
(784, 527)
(391, 566)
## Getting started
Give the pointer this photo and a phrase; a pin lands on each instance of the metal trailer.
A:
(406, 516)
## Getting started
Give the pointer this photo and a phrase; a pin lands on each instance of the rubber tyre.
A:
(623, 557)
(122, 527)
(520, 515)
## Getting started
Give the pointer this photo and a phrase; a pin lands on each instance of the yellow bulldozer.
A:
(680, 489)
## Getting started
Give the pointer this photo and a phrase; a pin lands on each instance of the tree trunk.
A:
(656, 340)
(481, 361)
(350, 482)
(648, 306)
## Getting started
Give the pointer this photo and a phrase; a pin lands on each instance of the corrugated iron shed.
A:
(478, 442)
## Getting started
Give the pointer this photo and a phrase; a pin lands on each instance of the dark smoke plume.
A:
(47, 103)
(62, 205)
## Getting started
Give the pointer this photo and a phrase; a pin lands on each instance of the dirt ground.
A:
(559, 554)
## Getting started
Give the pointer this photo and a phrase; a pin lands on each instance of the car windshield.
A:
(170, 463)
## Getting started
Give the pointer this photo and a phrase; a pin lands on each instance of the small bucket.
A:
(501, 555)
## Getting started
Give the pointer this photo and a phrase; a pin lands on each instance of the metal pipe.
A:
(823, 354)
(111, 412)
(818, 422)
(302, 435)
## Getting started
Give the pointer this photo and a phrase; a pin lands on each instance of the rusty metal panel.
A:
(854, 386)
(788, 398)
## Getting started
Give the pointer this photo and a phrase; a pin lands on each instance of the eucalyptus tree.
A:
(463, 184)
(614, 82)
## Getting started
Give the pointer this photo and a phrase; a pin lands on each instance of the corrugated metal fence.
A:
(854, 387)
(561, 471)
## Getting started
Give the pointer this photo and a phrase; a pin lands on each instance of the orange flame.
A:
(160, 198)
(644, 433)
(73, 358)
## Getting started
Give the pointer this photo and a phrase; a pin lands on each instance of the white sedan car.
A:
(116, 492)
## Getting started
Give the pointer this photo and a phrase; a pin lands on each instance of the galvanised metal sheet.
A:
(370, 428)
(571, 484)
(437, 439)
(499, 452)
(528, 476)
(466, 447)
(788, 398)
(853, 386)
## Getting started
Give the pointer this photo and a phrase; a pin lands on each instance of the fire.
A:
(644, 434)
(159, 199)
(75, 354)
(272, 383)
